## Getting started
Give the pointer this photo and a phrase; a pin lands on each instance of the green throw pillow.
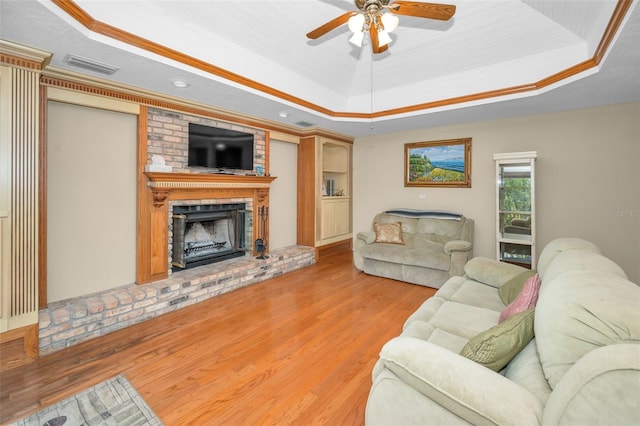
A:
(512, 288)
(495, 347)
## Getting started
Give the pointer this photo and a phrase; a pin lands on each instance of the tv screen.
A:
(218, 148)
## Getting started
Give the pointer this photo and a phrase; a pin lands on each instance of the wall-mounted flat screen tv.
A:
(218, 148)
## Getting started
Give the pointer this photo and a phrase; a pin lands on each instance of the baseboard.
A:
(18, 347)
(343, 246)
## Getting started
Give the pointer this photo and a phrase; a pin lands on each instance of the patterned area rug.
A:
(112, 402)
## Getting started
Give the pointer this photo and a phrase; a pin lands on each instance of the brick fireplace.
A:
(167, 136)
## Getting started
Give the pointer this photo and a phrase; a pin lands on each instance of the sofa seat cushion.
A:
(473, 293)
(392, 253)
(463, 320)
(434, 259)
(426, 311)
(525, 370)
(427, 242)
(425, 331)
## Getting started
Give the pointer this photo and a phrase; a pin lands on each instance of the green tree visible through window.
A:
(516, 197)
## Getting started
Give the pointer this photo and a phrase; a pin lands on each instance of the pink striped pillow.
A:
(526, 299)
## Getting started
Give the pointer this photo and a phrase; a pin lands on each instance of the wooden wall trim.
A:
(306, 205)
(143, 265)
(99, 27)
(42, 201)
(18, 346)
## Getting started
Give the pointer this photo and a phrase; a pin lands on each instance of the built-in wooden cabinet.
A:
(516, 208)
(324, 191)
(335, 215)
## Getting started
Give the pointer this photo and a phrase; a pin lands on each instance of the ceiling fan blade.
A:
(375, 43)
(443, 12)
(331, 25)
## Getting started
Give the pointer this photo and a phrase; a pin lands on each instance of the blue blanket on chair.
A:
(437, 214)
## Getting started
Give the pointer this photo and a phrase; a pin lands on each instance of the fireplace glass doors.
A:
(209, 233)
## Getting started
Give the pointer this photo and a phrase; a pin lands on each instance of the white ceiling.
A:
(488, 45)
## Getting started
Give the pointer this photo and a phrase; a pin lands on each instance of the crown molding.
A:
(20, 56)
(69, 80)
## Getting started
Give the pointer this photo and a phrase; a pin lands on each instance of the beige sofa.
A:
(436, 245)
(581, 368)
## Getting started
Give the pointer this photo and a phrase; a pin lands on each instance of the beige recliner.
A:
(435, 246)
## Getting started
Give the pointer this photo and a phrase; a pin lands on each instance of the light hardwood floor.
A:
(296, 349)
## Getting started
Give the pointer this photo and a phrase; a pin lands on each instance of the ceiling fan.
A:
(378, 23)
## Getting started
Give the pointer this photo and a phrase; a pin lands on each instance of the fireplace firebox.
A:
(204, 234)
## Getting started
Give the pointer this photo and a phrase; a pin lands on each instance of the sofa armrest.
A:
(465, 388)
(367, 236)
(490, 271)
(457, 245)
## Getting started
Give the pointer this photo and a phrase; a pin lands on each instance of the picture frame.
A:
(444, 163)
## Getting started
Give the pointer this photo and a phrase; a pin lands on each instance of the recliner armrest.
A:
(367, 236)
(465, 388)
(457, 245)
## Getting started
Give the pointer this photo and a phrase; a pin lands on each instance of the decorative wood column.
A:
(20, 69)
(153, 225)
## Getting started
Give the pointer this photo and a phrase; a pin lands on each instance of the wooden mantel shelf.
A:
(198, 180)
(162, 184)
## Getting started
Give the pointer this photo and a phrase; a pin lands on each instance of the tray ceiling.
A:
(234, 53)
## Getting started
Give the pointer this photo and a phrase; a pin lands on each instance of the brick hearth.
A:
(72, 321)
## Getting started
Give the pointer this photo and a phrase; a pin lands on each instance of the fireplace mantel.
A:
(198, 180)
(153, 224)
(161, 184)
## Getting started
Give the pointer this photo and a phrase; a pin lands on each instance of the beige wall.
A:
(91, 200)
(588, 177)
(283, 162)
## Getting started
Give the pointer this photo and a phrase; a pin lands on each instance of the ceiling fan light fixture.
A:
(356, 22)
(357, 38)
(390, 21)
(383, 38)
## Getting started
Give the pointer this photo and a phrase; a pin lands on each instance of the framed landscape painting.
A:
(445, 163)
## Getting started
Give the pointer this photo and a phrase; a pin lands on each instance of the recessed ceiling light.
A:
(180, 84)
(283, 114)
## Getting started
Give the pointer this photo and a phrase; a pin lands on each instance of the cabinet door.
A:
(341, 217)
(335, 218)
(328, 222)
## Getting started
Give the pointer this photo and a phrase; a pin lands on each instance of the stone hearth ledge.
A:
(68, 322)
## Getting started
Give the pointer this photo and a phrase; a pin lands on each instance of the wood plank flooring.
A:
(296, 349)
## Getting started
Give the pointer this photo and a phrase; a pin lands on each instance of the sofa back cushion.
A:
(580, 260)
(579, 311)
(560, 245)
(451, 229)
(409, 224)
